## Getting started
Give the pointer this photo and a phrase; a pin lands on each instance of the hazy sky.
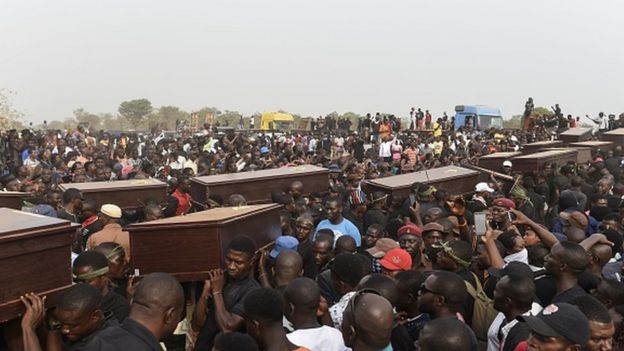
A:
(312, 57)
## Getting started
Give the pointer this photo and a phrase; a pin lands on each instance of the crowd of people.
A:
(536, 267)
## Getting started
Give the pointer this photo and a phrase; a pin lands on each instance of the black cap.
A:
(560, 320)
(514, 268)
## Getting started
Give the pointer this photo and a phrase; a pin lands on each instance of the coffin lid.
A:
(14, 194)
(215, 215)
(592, 143)
(434, 175)
(546, 142)
(576, 132)
(619, 131)
(116, 185)
(502, 154)
(17, 222)
(554, 152)
(256, 175)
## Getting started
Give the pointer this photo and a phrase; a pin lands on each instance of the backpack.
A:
(483, 313)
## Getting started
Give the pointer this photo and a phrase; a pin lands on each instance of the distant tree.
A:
(135, 111)
(165, 118)
(9, 117)
(229, 118)
(90, 119)
(513, 122)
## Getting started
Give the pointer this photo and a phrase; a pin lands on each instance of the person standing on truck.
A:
(420, 116)
(427, 119)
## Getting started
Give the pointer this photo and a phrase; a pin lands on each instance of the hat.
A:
(264, 150)
(433, 226)
(483, 186)
(283, 243)
(110, 210)
(409, 229)
(504, 202)
(396, 260)
(507, 163)
(382, 246)
(576, 219)
(515, 268)
(562, 320)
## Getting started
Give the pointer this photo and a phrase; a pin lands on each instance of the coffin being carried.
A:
(188, 246)
(127, 194)
(456, 180)
(257, 186)
(35, 256)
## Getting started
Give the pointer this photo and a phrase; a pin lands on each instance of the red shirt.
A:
(184, 202)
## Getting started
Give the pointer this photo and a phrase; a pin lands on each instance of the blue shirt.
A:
(343, 228)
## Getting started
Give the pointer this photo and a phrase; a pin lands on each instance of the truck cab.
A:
(479, 117)
(276, 121)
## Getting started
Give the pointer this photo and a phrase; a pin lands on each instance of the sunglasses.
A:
(354, 301)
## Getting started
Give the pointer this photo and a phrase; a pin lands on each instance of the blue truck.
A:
(479, 117)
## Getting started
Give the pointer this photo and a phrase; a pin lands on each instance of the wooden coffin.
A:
(583, 154)
(536, 161)
(456, 180)
(127, 194)
(12, 199)
(257, 186)
(495, 161)
(35, 256)
(535, 147)
(188, 246)
(593, 146)
(616, 136)
(575, 135)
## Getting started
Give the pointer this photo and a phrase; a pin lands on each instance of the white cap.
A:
(481, 187)
(110, 210)
(507, 164)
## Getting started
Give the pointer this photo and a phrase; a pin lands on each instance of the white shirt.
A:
(385, 149)
(312, 145)
(493, 344)
(322, 338)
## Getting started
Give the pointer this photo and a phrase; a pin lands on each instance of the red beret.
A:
(409, 229)
(504, 202)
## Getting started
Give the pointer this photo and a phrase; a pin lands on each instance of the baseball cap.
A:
(507, 163)
(433, 226)
(409, 229)
(576, 219)
(334, 168)
(514, 268)
(283, 243)
(382, 246)
(561, 319)
(110, 210)
(396, 260)
(483, 186)
(264, 150)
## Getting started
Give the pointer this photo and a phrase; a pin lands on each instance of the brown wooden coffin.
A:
(257, 186)
(127, 194)
(616, 136)
(12, 199)
(35, 256)
(536, 161)
(583, 154)
(188, 246)
(495, 161)
(575, 135)
(594, 145)
(456, 180)
(535, 147)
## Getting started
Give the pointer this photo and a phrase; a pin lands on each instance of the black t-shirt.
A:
(115, 304)
(81, 344)
(234, 294)
(130, 335)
